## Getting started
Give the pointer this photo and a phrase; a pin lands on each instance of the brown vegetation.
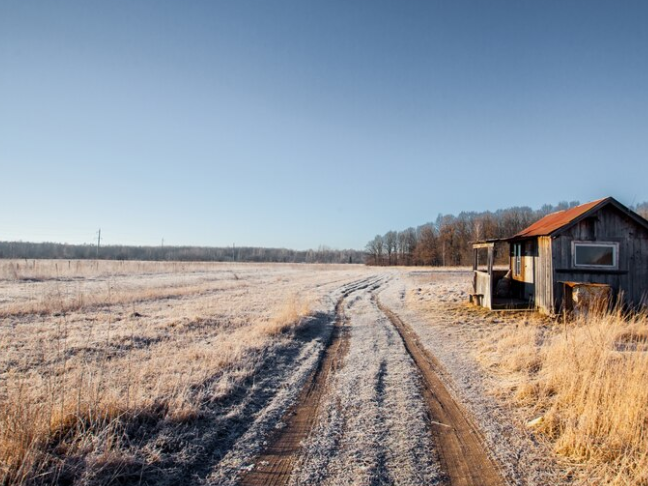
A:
(584, 387)
(579, 386)
(95, 358)
(448, 240)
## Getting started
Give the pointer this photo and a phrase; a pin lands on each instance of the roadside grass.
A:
(584, 384)
(81, 387)
(581, 386)
(288, 316)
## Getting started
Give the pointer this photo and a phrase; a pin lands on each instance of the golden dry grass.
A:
(30, 269)
(84, 356)
(585, 383)
(581, 385)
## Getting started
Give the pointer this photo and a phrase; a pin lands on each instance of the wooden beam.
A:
(483, 245)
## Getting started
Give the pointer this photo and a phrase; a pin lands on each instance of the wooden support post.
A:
(491, 257)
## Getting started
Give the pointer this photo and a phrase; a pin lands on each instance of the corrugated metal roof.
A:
(555, 221)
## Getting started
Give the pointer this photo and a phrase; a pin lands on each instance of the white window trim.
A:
(518, 259)
(611, 244)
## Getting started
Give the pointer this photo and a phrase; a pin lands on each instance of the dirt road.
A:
(374, 412)
(275, 465)
(461, 449)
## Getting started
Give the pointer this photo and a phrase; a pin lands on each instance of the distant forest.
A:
(19, 249)
(448, 241)
(445, 242)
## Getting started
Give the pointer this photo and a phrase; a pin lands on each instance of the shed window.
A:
(597, 255)
(517, 253)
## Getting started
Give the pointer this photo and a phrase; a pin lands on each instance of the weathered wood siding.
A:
(484, 287)
(639, 269)
(526, 269)
(611, 225)
(544, 278)
(526, 278)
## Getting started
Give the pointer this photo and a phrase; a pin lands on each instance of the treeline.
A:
(448, 241)
(19, 249)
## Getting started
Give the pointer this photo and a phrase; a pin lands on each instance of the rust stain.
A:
(557, 220)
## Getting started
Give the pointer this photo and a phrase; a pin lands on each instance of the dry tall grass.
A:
(586, 384)
(74, 406)
(39, 270)
(73, 382)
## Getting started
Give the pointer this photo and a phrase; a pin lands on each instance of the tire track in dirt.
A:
(462, 454)
(275, 464)
(372, 427)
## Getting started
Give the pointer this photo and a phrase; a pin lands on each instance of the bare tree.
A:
(426, 252)
(448, 240)
(375, 249)
(391, 242)
(406, 245)
(642, 209)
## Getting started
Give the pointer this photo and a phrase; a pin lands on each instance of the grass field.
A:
(579, 386)
(91, 349)
(585, 384)
(162, 373)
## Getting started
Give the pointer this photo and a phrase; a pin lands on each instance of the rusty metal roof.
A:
(558, 220)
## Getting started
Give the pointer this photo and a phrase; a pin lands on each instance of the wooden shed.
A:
(601, 242)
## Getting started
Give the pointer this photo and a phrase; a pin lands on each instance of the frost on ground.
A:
(148, 372)
(136, 373)
(289, 383)
(430, 303)
(372, 427)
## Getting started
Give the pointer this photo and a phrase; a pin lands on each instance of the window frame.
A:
(517, 256)
(609, 244)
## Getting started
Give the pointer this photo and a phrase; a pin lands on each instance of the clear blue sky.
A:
(300, 123)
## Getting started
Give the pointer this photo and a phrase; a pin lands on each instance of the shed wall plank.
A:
(606, 224)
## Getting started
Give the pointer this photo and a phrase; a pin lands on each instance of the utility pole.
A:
(233, 252)
(98, 241)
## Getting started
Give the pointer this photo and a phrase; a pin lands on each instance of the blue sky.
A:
(302, 123)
